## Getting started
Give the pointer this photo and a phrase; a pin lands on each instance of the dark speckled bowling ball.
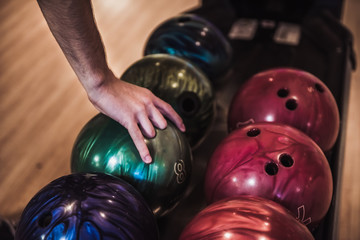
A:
(195, 39)
(288, 96)
(180, 84)
(103, 145)
(87, 206)
(273, 161)
(245, 218)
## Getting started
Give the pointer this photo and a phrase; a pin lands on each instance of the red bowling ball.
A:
(245, 218)
(288, 96)
(273, 161)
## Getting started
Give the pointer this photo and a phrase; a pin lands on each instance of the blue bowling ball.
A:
(195, 39)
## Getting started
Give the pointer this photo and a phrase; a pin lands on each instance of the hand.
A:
(73, 26)
(135, 108)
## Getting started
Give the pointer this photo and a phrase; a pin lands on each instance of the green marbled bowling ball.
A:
(182, 85)
(103, 145)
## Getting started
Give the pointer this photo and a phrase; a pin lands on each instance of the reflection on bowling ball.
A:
(195, 39)
(245, 218)
(87, 206)
(274, 161)
(103, 145)
(288, 96)
(181, 85)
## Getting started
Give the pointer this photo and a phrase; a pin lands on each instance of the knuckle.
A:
(129, 125)
(138, 108)
(147, 92)
(147, 101)
(165, 107)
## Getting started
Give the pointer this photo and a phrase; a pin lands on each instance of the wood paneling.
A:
(349, 220)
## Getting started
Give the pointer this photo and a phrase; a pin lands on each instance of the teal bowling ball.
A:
(105, 146)
(179, 83)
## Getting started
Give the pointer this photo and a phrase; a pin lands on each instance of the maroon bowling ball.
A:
(288, 96)
(245, 218)
(273, 161)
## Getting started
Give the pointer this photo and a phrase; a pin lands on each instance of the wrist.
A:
(95, 83)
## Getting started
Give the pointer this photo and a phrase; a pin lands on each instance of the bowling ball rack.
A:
(307, 36)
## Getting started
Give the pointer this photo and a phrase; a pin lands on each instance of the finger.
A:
(145, 125)
(140, 144)
(156, 117)
(170, 113)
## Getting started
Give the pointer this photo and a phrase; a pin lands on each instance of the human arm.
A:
(136, 108)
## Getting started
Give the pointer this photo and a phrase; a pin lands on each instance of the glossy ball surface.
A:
(180, 84)
(87, 206)
(195, 39)
(273, 161)
(103, 145)
(288, 96)
(245, 218)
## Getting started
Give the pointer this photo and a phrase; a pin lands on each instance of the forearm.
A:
(73, 26)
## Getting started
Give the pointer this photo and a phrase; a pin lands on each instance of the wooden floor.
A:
(43, 106)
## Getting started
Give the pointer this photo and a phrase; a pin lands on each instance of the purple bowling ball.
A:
(87, 206)
(288, 96)
(273, 161)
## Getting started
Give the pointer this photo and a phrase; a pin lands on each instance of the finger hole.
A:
(188, 104)
(45, 219)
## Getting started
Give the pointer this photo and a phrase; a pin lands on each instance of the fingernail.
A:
(148, 159)
(182, 127)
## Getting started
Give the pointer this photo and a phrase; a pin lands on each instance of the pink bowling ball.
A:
(288, 96)
(245, 218)
(273, 161)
